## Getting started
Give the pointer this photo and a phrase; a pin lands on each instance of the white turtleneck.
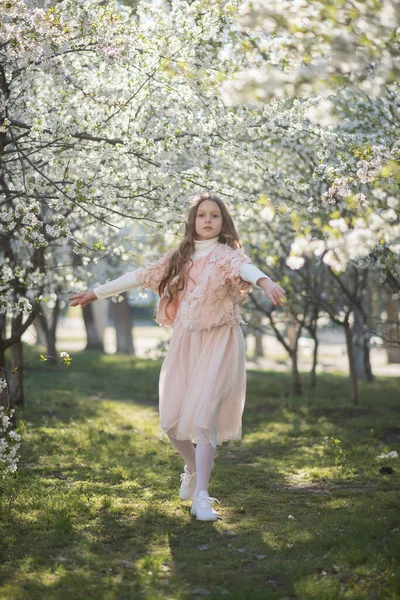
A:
(128, 281)
(247, 272)
(203, 247)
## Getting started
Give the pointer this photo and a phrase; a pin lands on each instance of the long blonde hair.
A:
(182, 254)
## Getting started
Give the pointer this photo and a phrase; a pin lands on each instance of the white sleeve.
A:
(117, 286)
(251, 273)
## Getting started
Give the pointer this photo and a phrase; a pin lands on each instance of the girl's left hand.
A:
(274, 291)
(84, 298)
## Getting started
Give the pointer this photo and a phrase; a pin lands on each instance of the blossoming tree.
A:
(103, 120)
(340, 61)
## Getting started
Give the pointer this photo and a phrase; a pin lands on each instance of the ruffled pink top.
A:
(214, 290)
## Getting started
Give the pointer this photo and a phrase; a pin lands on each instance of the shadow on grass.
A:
(59, 394)
(154, 554)
(95, 510)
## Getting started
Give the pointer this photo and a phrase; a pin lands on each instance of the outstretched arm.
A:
(83, 299)
(127, 281)
(274, 291)
(251, 273)
(148, 277)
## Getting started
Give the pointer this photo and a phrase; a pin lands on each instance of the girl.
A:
(202, 383)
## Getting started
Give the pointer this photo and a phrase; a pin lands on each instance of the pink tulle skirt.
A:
(202, 385)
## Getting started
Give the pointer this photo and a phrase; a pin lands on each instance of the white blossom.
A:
(10, 442)
(295, 262)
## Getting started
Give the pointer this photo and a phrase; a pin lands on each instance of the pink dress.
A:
(202, 385)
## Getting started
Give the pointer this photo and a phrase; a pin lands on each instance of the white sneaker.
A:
(202, 508)
(188, 484)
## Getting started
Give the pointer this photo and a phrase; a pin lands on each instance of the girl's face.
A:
(208, 220)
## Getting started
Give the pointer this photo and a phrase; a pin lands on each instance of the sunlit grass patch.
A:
(94, 509)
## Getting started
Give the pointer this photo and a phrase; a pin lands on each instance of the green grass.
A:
(93, 511)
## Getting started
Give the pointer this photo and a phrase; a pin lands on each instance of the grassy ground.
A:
(94, 510)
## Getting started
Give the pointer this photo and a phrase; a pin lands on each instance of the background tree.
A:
(103, 120)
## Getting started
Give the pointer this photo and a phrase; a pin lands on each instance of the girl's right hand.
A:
(84, 298)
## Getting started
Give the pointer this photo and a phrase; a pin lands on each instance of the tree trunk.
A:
(258, 346)
(360, 339)
(123, 327)
(40, 332)
(13, 394)
(258, 338)
(297, 388)
(360, 345)
(93, 340)
(16, 381)
(48, 323)
(312, 329)
(100, 316)
(52, 331)
(291, 332)
(350, 354)
(393, 330)
(3, 376)
(313, 372)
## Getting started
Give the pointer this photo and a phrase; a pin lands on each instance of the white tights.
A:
(186, 450)
(199, 459)
(204, 459)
